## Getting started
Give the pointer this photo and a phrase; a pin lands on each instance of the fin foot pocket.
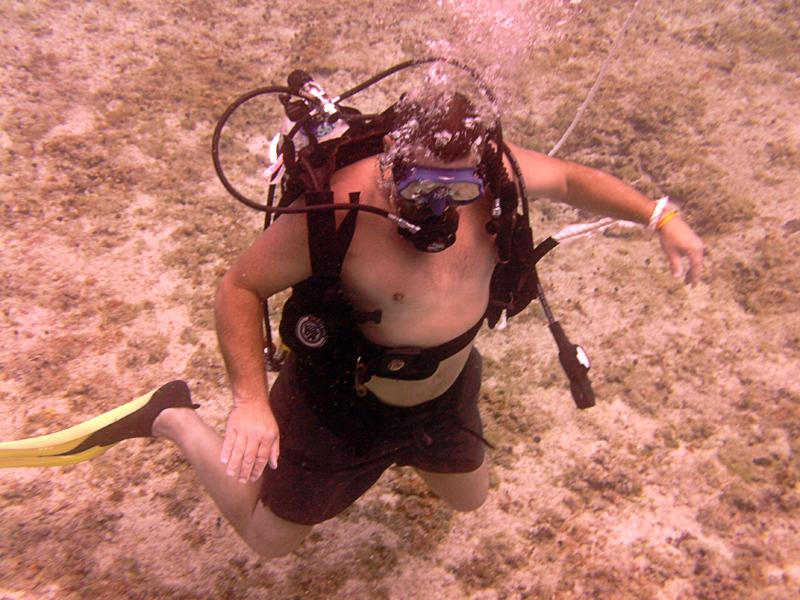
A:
(95, 436)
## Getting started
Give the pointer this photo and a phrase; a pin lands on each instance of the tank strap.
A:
(327, 246)
(344, 235)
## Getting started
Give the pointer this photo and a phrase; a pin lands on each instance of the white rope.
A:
(581, 230)
(571, 233)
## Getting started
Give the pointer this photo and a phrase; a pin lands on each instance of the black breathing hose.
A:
(290, 91)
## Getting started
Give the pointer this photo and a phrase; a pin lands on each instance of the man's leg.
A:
(462, 491)
(239, 503)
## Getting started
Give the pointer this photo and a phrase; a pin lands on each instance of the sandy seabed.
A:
(681, 483)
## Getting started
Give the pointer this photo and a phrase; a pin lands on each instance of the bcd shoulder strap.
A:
(327, 245)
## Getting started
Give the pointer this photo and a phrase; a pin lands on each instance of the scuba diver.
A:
(330, 426)
(382, 368)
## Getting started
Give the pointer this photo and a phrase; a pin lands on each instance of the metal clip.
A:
(497, 210)
(403, 224)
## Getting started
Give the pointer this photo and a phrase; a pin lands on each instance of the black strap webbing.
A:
(328, 246)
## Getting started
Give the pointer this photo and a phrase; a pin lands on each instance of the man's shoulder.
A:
(362, 177)
(544, 175)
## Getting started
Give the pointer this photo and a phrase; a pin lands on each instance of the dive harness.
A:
(323, 136)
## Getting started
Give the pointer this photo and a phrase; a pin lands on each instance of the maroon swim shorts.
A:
(319, 474)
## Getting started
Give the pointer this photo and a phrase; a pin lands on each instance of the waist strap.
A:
(411, 363)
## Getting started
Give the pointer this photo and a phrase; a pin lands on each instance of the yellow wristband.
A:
(666, 219)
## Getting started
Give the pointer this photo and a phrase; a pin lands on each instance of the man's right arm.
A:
(277, 260)
(604, 194)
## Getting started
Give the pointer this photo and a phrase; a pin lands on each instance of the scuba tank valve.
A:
(304, 85)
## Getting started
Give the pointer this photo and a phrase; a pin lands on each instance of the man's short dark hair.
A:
(446, 124)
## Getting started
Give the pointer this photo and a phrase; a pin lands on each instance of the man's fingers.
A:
(248, 461)
(267, 454)
(695, 266)
(275, 451)
(261, 461)
(678, 240)
(227, 446)
(250, 444)
(675, 264)
(235, 462)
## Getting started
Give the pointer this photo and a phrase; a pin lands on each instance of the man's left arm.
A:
(604, 194)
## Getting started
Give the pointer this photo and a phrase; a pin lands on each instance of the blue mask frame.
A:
(433, 189)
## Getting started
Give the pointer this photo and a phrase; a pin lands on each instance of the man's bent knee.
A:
(462, 491)
(469, 501)
(271, 536)
(271, 547)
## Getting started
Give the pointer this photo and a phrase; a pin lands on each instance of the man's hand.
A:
(678, 240)
(251, 441)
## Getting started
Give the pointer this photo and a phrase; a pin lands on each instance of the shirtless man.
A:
(279, 470)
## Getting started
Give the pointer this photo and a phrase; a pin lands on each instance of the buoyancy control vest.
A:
(332, 360)
(320, 326)
(318, 323)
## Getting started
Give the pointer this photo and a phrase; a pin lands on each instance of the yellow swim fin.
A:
(95, 436)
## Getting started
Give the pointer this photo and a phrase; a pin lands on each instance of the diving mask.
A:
(428, 197)
(428, 191)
